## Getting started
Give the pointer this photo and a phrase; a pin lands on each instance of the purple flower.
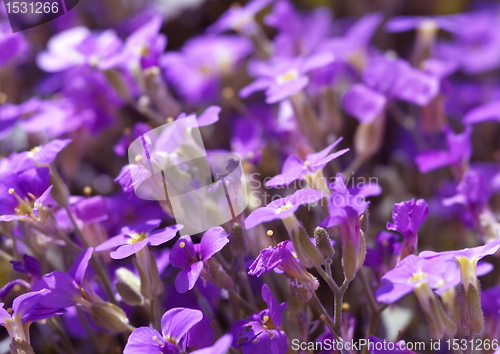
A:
(196, 71)
(410, 273)
(25, 310)
(282, 257)
(419, 275)
(387, 78)
(190, 258)
(282, 208)
(240, 18)
(427, 23)
(13, 45)
(24, 193)
(142, 49)
(298, 33)
(385, 254)
(283, 77)
(407, 217)
(466, 258)
(260, 332)
(134, 238)
(181, 328)
(474, 46)
(457, 155)
(487, 112)
(295, 168)
(345, 210)
(77, 46)
(30, 267)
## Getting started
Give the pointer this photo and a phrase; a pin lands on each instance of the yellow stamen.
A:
(182, 245)
(138, 158)
(287, 206)
(307, 163)
(270, 233)
(289, 75)
(346, 306)
(418, 276)
(170, 120)
(11, 190)
(136, 238)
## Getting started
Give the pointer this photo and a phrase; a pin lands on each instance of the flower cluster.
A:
(114, 115)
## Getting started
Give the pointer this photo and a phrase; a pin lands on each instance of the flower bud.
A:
(129, 287)
(116, 81)
(59, 192)
(238, 243)
(305, 249)
(109, 316)
(323, 243)
(214, 273)
(368, 138)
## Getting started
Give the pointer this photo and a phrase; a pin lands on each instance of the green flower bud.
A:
(129, 287)
(109, 316)
(306, 251)
(471, 314)
(323, 243)
(145, 263)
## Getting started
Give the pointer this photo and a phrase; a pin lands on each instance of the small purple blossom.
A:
(134, 238)
(190, 258)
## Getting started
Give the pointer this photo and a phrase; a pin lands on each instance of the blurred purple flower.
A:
(294, 168)
(13, 45)
(487, 112)
(283, 77)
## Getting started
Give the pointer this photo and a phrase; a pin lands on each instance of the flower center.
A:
(418, 276)
(287, 206)
(33, 151)
(137, 237)
(289, 75)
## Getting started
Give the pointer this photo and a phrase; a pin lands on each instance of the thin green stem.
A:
(155, 313)
(243, 302)
(339, 299)
(328, 320)
(331, 283)
(95, 263)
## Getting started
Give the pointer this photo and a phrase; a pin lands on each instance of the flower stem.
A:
(328, 320)
(95, 263)
(155, 313)
(246, 283)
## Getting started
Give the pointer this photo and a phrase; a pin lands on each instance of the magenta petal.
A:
(316, 61)
(210, 116)
(219, 347)
(141, 341)
(179, 255)
(293, 169)
(363, 103)
(273, 306)
(259, 216)
(212, 242)
(430, 160)
(278, 92)
(178, 321)
(389, 293)
(78, 268)
(201, 335)
(164, 235)
(317, 156)
(321, 163)
(186, 279)
(128, 250)
(113, 242)
(486, 112)
(257, 85)
(48, 152)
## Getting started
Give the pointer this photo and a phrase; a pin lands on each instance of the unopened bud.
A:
(59, 192)
(323, 243)
(109, 316)
(214, 273)
(128, 286)
(368, 137)
(116, 81)
(238, 243)
(305, 249)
